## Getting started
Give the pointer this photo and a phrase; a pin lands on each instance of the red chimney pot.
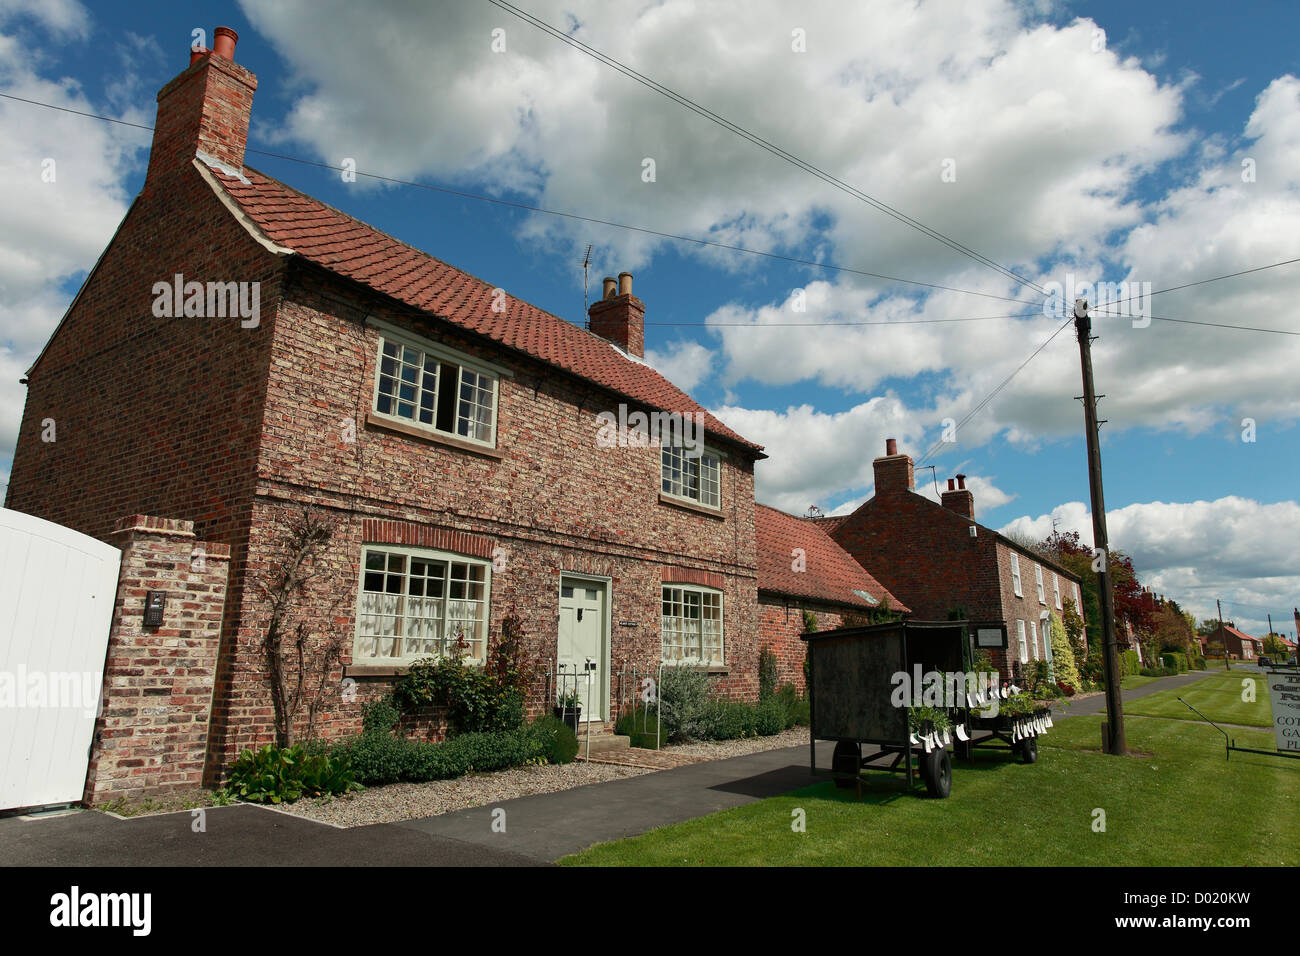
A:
(223, 42)
(891, 446)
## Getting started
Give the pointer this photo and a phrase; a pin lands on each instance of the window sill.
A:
(688, 506)
(718, 670)
(375, 670)
(375, 420)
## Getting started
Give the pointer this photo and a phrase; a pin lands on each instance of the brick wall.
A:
(151, 735)
(781, 624)
(923, 553)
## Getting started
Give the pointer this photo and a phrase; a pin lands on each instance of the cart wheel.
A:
(847, 758)
(936, 771)
(1029, 750)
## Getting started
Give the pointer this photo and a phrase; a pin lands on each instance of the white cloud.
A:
(815, 457)
(66, 19)
(1196, 552)
(61, 187)
(684, 363)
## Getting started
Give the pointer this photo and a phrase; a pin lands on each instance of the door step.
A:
(603, 744)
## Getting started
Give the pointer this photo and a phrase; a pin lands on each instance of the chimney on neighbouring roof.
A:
(893, 471)
(619, 316)
(204, 109)
(959, 499)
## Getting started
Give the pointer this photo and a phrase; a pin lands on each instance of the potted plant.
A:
(568, 708)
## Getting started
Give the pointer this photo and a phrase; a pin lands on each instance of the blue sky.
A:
(1114, 160)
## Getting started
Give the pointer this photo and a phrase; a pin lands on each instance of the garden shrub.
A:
(558, 742)
(641, 726)
(736, 720)
(283, 775)
(686, 707)
(379, 716)
(1175, 659)
(797, 713)
(769, 717)
(1129, 663)
(379, 758)
(1063, 664)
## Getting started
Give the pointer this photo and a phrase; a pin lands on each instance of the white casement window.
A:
(416, 603)
(1033, 642)
(1078, 603)
(1038, 579)
(697, 478)
(435, 390)
(692, 625)
(1056, 590)
(1015, 576)
(1020, 637)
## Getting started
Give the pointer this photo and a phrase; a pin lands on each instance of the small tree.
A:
(298, 662)
(1063, 665)
(1274, 647)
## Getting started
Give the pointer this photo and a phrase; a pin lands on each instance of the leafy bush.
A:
(809, 621)
(379, 758)
(283, 775)
(686, 706)
(558, 742)
(476, 702)
(1175, 659)
(641, 726)
(1064, 668)
(735, 721)
(1129, 663)
(379, 716)
(1065, 688)
(770, 717)
(797, 713)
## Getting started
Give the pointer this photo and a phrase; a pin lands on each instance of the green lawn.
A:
(1182, 805)
(1218, 696)
(1135, 680)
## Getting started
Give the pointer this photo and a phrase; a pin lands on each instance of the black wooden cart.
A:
(853, 701)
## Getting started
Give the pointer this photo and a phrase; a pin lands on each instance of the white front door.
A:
(581, 644)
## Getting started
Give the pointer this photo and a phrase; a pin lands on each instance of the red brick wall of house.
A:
(152, 733)
(781, 624)
(552, 501)
(923, 553)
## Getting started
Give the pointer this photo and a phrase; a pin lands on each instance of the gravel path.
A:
(409, 801)
(722, 749)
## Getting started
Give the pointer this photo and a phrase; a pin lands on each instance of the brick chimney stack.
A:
(204, 109)
(893, 471)
(620, 316)
(959, 499)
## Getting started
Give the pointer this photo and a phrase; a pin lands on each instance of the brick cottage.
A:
(801, 570)
(939, 560)
(241, 351)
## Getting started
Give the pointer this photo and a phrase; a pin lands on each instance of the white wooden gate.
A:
(57, 588)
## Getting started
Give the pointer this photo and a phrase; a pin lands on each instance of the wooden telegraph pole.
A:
(1113, 742)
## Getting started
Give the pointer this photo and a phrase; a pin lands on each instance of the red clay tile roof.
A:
(831, 573)
(350, 248)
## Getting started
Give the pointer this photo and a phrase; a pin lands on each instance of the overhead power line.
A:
(762, 143)
(1213, 325)
(1188, 285)
(993, 394)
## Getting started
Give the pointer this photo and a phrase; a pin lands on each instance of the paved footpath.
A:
(539, 829)
(548, 826)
